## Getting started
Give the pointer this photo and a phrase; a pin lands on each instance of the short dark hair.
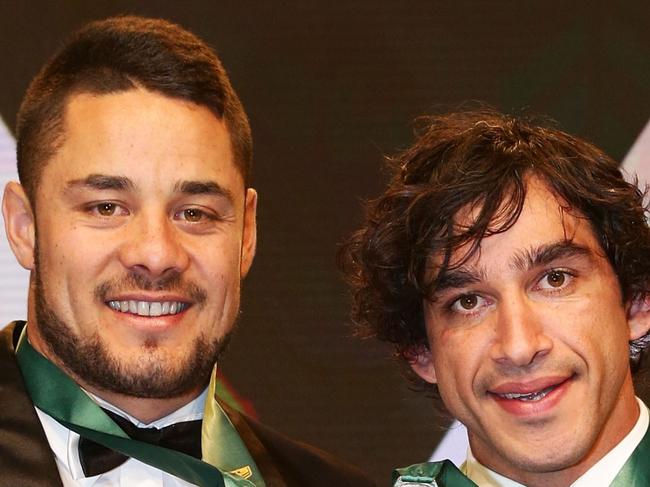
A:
(484, 159)
(120, 54)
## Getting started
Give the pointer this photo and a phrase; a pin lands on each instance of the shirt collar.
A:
(483, 476)
(602, 473)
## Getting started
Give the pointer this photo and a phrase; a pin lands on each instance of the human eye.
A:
(555, 280)
(468, 304)
(106, 209)
(195, 215)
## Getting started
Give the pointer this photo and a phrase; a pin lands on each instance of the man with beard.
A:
(135, 216)
(508, 264)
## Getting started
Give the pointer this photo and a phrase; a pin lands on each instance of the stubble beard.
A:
(154, 373)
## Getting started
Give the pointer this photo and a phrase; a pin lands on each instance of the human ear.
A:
(249, 236)
(638, 316)
(19, 224)
(421, 362)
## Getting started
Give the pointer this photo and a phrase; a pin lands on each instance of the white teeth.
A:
(155, 309)
(532, 396)
(148, 308)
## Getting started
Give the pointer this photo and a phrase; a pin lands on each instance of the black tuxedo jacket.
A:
(27, 461)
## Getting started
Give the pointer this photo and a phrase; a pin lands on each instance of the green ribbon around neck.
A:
(53, 392)
(221, 444)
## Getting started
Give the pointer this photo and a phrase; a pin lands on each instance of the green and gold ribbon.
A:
(217, 432)
(53, 392)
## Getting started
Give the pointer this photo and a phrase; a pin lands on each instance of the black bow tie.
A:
(97, 459)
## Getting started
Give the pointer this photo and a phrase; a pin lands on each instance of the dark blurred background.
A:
(330, 87)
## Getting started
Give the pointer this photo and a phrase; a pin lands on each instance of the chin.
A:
(546, 460)
(155, 371)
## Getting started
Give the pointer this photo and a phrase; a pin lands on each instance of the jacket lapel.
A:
(256, 448)
(25, 455)
(284, 462)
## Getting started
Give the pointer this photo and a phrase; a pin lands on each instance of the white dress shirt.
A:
(64, 443)
(600, 474)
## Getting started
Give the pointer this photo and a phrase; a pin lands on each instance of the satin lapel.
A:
(25, 455)
(258, 451)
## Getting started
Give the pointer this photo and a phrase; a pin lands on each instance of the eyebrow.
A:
(203, 187)
(548, 253)
(525, 260)
(458, 278)
(122, 183)
(102, 182)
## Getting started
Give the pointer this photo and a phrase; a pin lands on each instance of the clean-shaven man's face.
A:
(143, 233)
(529, 346)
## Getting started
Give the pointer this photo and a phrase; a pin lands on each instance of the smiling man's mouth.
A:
(529, 392)
(148, 308)
(532, 396)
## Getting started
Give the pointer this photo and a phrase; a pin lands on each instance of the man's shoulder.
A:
(25, 456)
(290, 462)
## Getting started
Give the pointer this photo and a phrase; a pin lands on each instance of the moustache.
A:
(170, 282)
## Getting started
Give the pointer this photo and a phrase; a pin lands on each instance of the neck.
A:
(145, 410)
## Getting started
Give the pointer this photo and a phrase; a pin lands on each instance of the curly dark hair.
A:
(480, 159)
(119, 54)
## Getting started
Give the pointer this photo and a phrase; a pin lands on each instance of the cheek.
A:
(457, 357)
(71, 264)
(62, 245)
(596, 323)
(455, 373)
(220, 265)
(597, 332)
(218, 274)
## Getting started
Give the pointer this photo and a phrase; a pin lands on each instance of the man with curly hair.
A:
(508, 264)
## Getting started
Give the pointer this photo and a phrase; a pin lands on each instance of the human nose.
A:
(154, 247)
(520, 335)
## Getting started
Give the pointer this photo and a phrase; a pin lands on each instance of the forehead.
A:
(138, 133)
(544, 219)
